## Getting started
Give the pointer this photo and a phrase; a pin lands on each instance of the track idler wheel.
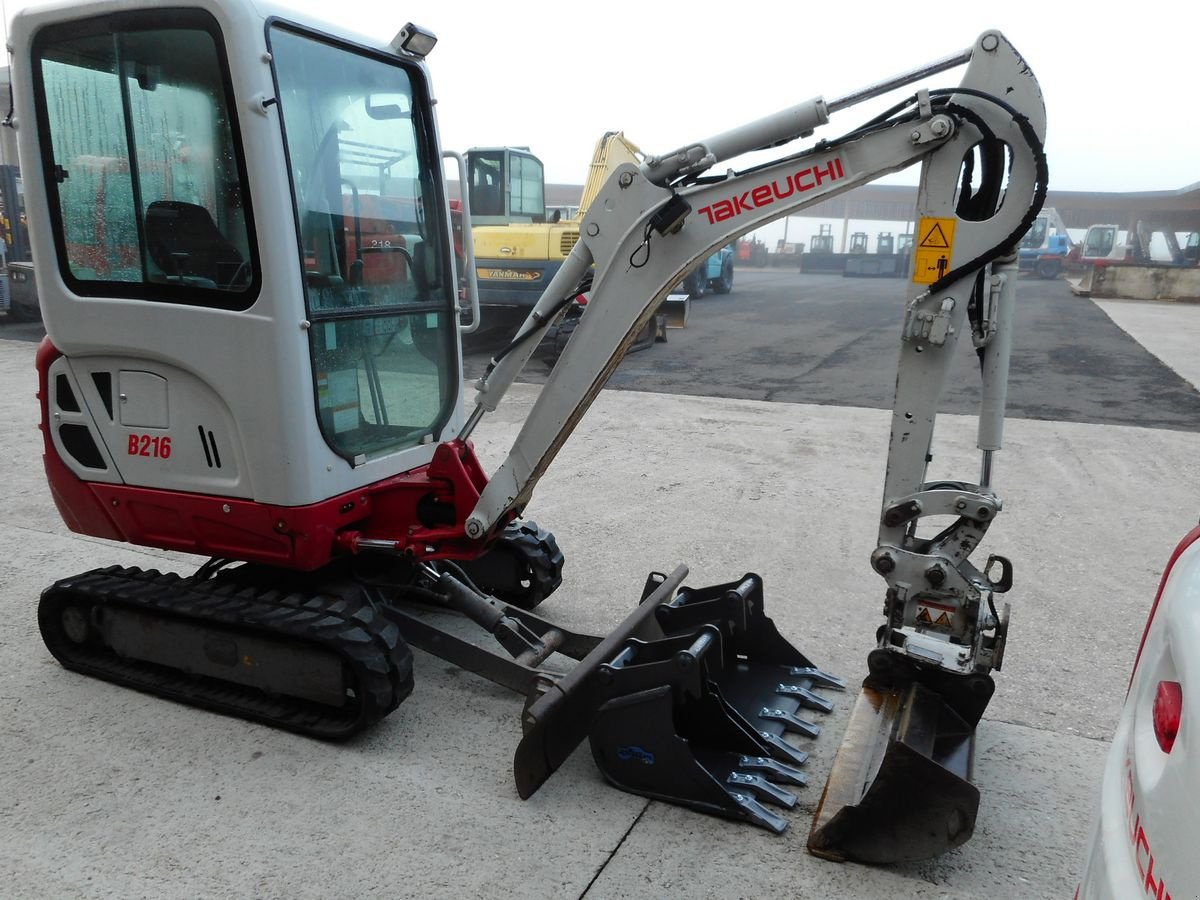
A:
(522, 567)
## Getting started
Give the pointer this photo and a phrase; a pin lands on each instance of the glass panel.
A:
(487, 183)
(1099, 242)
(528, 196)
(145, 166)
(1036, 235)
(374, 244)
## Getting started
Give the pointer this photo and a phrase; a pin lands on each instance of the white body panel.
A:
(1148, 825)
(255, 364)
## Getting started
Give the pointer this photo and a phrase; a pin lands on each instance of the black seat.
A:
(183, 240)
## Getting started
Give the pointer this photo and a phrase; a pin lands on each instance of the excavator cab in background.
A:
(519, 246)
(246, 261)
(507, 185)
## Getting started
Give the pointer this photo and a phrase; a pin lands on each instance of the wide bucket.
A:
(692, 700)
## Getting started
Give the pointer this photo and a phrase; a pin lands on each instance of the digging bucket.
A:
(900, 787)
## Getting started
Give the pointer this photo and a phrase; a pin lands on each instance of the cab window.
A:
(144, 172)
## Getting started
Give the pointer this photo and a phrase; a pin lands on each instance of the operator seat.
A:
(184, 241)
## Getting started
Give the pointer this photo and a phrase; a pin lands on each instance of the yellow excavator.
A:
(519, 248)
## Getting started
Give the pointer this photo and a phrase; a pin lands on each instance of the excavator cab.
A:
(507, 185)
(301, 240)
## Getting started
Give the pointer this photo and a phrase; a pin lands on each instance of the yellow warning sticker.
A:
(936, 614)
(935, 249)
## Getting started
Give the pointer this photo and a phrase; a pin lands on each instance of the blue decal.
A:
(632, 752)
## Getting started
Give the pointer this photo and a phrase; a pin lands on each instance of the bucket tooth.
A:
(775, 770)
(791, 721)
(763, 789)
(781, 749)
(757, 814)
(818, 677)
(807, 698)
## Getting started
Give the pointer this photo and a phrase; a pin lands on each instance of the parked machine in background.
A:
(822, 242)
(1148, 262)
(263, 368)
(713, 276)
(19, 295)
(519, 245)
(1045, 247)
(518, 248)
(752, 252)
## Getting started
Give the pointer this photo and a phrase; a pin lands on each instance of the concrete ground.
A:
(109, 793)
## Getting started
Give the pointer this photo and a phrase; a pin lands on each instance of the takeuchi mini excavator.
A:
(246, 267)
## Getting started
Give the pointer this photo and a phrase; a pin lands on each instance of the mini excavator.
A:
(246, 270)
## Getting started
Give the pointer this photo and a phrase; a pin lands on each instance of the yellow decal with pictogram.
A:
(938, 615)
(935, 249)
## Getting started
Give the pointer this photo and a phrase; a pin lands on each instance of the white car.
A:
(1146, 843)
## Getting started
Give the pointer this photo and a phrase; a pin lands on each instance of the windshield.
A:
(1036, 235)
(1099, 241)
(373, 244)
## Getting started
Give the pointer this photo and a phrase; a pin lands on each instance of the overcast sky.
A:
(1119, 80)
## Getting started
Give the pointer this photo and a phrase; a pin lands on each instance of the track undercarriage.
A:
(695, 683)
(318, 653)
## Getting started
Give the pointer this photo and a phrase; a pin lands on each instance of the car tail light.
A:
(1168, 710)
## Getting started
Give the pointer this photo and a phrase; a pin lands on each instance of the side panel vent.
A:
(79, 443)
(103, 382)
(64, 396)
(209, 442)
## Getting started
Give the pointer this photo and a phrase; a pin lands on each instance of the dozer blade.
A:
(687, 702)
(900, 787)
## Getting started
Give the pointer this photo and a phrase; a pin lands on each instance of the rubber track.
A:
(346, 625)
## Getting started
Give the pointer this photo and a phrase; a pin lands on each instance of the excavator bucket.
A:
(900, 787)
(689, 701)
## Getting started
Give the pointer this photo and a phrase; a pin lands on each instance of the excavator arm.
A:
(646, 229)
(983, 181)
